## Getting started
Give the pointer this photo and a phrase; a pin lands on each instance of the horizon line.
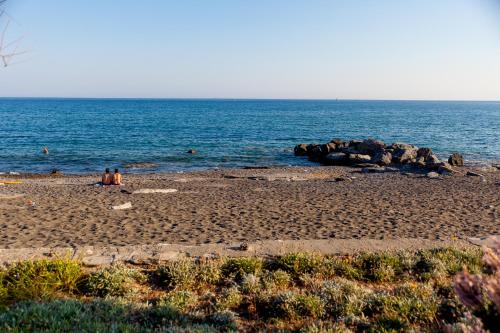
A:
(249, 99)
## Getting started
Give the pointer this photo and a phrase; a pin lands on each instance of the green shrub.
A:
(177, 275)
(322, 327)
(341, 267)
(344, 298)
(67, 316)
(224, 320)
(237, 268)
(298, 264)
(278, 279)
(444, 262)
(410, 303)
(380, 267)
(250, 284)
(112, 281)
(40, 280)
(280, 306)
(310, 306)
(181, 300)
(289, 305)
(209, 272)
(229, 299)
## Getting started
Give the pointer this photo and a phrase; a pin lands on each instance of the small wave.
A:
(141, 165)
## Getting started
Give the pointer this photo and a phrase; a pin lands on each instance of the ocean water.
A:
(87, 135)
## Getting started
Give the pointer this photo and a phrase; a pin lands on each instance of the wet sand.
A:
(230, 206)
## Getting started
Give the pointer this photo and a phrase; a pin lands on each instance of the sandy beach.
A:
(237, 205)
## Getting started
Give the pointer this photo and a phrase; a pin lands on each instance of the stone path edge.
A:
(91, 256)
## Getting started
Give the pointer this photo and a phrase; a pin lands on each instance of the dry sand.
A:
(230, 206)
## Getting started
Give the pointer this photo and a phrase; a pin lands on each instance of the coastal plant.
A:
(67, 316)
(237, 268)
(278, 279)
(279, 306)
(250, 284)
(310, 306)
(229, 299)
(300, 263)
(325, 327)
(177, 275)
(40, 280)
(344, 298)
(290, 305)
(379, 267)
(209, 272)
(408, 305)
(112, 281)
(344, 266)
(225, 320)
(443, 262)
(182, 300)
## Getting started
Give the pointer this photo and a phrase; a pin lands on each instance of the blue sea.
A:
(87, 135)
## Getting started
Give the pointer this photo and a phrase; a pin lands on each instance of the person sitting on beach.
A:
(117, 178)
(107, 178)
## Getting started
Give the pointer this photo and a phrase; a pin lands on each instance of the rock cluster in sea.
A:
(371, 153)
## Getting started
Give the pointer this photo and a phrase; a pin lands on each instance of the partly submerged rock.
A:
(300, 150)
(370, 146)
(456, 160)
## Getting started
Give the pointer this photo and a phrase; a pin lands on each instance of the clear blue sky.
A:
(371, 49)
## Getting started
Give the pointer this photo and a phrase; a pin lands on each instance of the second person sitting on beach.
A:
(107, 178)
(117, 178)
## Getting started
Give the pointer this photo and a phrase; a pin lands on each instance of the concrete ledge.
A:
(155, 254)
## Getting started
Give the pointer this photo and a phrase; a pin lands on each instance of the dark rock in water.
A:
(354, 143)
(359, 158)
(382, 157)
(56, 172)
(402, 145)
(316, 153)
(424, 152)
(456, 160)
(300, 150)
(371, 146)
(256, 167)
(339, 142)
(350, 150)
(328, 148)
(336, 159)
(404, 155)
(191, 151)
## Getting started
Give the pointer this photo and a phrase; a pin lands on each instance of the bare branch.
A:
(8, 50)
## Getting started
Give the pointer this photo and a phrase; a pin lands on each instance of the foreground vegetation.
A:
(381, 292)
